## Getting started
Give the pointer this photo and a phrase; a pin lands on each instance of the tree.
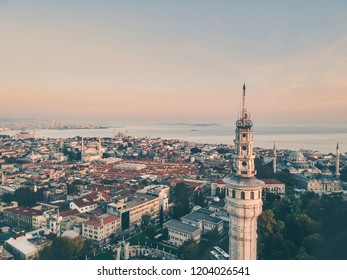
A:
(181, 197)
(315, 246)
(212, 236)
(9, 160)
(298, 227)
(270, 236)
(302, 254)
(145, 221)
(343, 175)
(195, 150)
(7, 197)
(151, 230)
(27, 197)
(263, 171)
(199, 198)
(189, 250)
(71, 188)
(223, 150)
(63, 248)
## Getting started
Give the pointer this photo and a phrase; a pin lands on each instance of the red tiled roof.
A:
(69, 213)
(100, 222)
(84, 201)
(124, 192)
(271, 181)
(24, 211)
(105, 196)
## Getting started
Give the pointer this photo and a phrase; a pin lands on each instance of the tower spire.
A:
(244, 101)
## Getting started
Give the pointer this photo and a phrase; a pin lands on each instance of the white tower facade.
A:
(243, 192)
(337, 165)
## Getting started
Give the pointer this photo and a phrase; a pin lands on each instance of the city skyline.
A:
(174, 61)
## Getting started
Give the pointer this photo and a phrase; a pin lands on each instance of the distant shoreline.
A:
(190, 124)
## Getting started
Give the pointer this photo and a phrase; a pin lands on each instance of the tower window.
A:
(252, 195)
(244, 148)
(244, 135)
(242, 195)
(233, 194)
(259, 194)
(244, 163)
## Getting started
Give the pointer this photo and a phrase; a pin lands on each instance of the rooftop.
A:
(24, 211)
(174, 224)
(271, 181)
(243, 182)
(102, 220)
(201, 214)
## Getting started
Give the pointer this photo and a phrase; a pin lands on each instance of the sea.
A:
(318, 138)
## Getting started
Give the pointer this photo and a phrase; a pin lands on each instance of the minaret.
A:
(274, 159)
(243, 192)
(82, 149)
(337, 165)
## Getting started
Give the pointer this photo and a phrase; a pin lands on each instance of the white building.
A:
(84, 204)
(180, 232)
(100, 228)
(26, 247)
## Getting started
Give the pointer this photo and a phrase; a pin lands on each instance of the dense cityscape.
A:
(125, 197)
(173, 131)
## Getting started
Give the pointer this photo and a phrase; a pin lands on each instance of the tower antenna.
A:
(244, 101)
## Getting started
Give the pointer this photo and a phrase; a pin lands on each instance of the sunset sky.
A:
(150, 61)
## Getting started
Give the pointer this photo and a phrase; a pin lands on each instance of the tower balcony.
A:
(244, 124)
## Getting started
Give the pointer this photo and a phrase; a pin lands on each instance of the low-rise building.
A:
(180, 232)
(321, 185)
(98, 229)
(274, 186)
(84, 204)
(21, 217)
(26, 247)
(203, 219)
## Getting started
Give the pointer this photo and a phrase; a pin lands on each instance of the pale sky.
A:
(179, 60)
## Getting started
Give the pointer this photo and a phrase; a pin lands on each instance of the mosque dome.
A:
(296, 157)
